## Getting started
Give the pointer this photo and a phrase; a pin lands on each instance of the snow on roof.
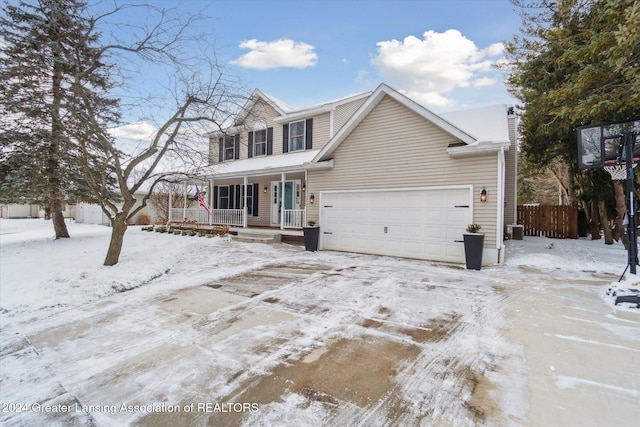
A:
(277, 102)
(485, 124)
(260, 165)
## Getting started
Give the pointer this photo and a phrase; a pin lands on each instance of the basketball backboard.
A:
(603, 145)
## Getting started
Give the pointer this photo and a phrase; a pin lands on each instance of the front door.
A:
(290, 198)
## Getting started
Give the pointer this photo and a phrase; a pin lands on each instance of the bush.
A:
(144, 219)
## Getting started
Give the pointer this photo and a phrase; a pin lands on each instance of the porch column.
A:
(211, 201)
(283, 178)
(184, 209)
(170, 202)
(245, 211)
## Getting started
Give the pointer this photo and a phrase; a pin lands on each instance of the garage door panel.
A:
(422, 224)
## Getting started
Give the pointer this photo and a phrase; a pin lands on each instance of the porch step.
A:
(253, 236)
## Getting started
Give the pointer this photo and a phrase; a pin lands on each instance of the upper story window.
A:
(296, 136)
(229, 147)
(260, 142)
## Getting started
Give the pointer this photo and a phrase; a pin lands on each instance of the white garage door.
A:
(421, 223)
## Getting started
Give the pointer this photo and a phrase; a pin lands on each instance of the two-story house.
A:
(376, 171)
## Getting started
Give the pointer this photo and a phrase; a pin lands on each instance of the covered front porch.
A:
(258, 201)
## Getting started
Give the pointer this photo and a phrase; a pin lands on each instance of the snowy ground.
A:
(206, 331)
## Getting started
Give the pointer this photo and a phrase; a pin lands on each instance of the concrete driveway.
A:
(333, 339)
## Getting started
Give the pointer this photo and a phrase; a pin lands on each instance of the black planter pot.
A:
(311, 237)
(473, 244)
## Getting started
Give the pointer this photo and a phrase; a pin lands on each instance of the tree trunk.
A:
(604, 220)
(57, 217)
(52, 168)
(621, 211)
(594, 224)
(118, 228)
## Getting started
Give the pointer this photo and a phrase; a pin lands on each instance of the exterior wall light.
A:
(483, 195)
(312, 199)
(265, 189)
(304, 187)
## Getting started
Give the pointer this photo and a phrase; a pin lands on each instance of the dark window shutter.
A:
(215, 197)
(255, 199)
(220, 149)
(269, 141)
(239, 197)
(236, 146)
(308, 143)
(250, 144)
(285, 138)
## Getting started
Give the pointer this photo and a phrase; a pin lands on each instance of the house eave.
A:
(477, 149)
(273, 170)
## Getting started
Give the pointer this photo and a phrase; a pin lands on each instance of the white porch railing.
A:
(233, 217)
(294, 218)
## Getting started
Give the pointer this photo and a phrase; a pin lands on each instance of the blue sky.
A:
(439, 52)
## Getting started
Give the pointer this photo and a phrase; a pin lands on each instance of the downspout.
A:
(245, 210)
(500, 206)
(306, 183)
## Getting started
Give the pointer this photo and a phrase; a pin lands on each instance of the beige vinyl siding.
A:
(263, 112)
(511, 175)
(344, 112)
(394, 147)
(321, 126)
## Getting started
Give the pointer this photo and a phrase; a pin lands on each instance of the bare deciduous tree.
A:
(202, 98)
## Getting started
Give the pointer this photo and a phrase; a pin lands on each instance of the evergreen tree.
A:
(576, 63)
(40, 52)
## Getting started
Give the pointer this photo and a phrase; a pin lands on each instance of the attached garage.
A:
(422, 223)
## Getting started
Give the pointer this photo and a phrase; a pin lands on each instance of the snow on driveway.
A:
(207, 331)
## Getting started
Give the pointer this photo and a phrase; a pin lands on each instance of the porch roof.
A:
(266, 165)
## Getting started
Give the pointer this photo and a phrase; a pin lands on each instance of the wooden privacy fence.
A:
(559, 222)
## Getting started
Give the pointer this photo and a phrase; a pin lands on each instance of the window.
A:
(232, 197)
(250, 203)
(229, 147)
(296, 136)
(260, 143)
(223, 197)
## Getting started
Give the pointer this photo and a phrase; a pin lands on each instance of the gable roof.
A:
(374, 99)
(484, 124)
(280, 106)
(314, 110)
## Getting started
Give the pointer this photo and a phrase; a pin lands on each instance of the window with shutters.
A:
(232, 197)
(296, 136)
(260, 143)
(229, 148)
(223, 197)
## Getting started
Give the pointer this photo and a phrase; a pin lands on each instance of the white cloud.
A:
(276, 54)
(428, 68)
(134, 131)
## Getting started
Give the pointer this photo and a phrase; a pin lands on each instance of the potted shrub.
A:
(311, 236)
(473, 245)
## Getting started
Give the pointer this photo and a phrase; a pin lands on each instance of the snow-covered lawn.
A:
(207, 331)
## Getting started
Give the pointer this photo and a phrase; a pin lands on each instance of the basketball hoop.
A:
(618, 172)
